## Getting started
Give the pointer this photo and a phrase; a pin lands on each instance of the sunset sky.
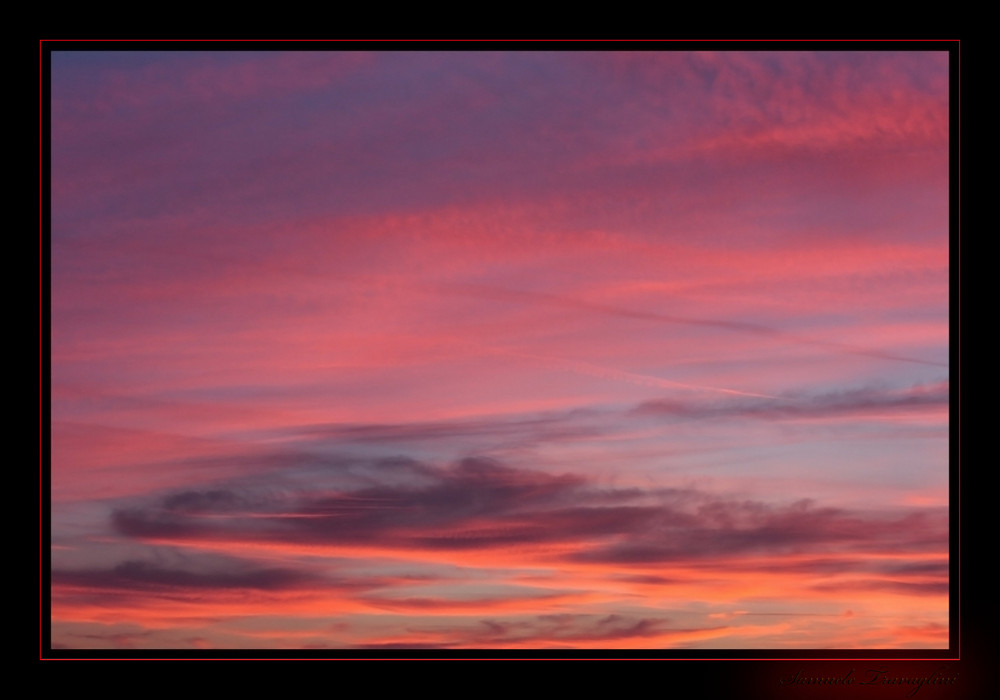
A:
(499, 350)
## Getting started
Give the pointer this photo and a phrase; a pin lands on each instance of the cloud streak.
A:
(483, 505)
(858, 404)
(739, 327)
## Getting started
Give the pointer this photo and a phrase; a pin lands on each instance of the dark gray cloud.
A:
(431, 498)
(731, 528)
(522, 431)
(480, 503)
(144, 575)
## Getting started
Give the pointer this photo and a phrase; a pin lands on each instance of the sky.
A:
(499, 350)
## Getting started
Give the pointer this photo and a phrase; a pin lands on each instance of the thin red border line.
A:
(467, 658)
(510, 40)
(958, 319)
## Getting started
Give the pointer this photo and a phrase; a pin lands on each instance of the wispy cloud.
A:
(137, 575)
(857, 403)
(739, 327)
(480, 504)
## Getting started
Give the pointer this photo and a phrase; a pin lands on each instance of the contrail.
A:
(495, 293)
(643, 379)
